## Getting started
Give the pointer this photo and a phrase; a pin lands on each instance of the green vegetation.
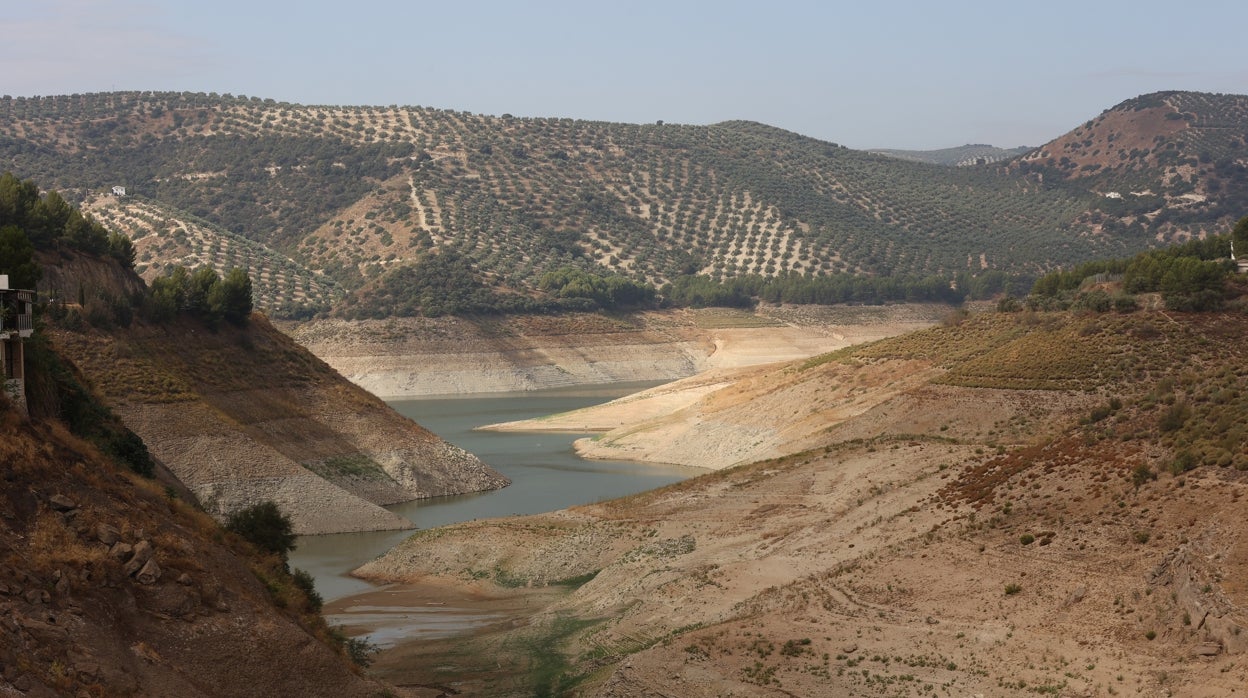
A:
(357, 198)
(264, 526)
(1189, 277)
(203, 294)
(48, 222)
(597, 291)
(307, 584)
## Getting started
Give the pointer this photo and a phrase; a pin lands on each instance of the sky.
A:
(878, 74)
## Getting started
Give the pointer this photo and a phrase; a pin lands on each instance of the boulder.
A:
(62, 503)
(107, 534)
(142, 553)
(149, 574)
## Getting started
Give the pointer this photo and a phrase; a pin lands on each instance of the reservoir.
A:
(545, 472)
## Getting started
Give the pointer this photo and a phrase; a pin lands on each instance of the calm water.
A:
(546, 475)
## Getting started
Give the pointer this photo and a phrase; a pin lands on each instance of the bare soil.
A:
(928, 538)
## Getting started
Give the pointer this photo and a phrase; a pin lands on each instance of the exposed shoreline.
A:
(429, 357)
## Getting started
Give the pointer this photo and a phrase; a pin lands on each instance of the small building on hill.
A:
(16, 324)
(119, 191)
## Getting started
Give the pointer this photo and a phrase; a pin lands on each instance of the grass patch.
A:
(356, 465)
(550, 671)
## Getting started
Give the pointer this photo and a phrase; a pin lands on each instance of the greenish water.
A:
(546, 475)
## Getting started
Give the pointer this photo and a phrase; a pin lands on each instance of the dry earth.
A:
(931, 539)
(245, 416)
(411, 357)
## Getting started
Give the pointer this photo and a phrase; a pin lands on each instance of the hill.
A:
(1020, 503)
(237, 410)
(329, 207)
(112, 585)
(961, 156)
(243, 414)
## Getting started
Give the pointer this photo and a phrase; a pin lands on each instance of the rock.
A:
(34, 596)
(62, 503)
(850, 648)
(44, 632)
(24, 683)
(149, 574)
(121, 551)
(184, 579)
(107, 534)
(142, 553)
(1208, 649)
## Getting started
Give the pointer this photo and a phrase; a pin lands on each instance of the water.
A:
(546, 475)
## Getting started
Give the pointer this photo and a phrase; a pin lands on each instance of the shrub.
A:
(265, 526)
(1012, 589)
(1174, 417)
(1026, 539)
(1141, 474)
(307, 585)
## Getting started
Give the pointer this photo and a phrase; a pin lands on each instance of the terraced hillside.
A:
(164, 238)
(353, 194)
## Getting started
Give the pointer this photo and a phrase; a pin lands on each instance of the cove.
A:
(546, 475)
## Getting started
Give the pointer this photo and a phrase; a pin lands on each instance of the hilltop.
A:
(329, 208)
(1017, 503)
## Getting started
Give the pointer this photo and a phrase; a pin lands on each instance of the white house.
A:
(119, 191)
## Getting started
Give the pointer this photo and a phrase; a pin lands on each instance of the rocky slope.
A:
(432, 356)
(112, 586)
(1031, 503)
(244, 414)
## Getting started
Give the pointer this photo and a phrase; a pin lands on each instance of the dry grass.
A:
(51, 542)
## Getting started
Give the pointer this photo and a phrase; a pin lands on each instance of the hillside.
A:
(412, 357)
(1163, 162)
(961, 156)
(324, 204)
(1022, 503)
(244, 414)
(111, 585)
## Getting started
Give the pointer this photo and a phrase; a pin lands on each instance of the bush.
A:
(264, 526)
(307, 585)
(1174, 417)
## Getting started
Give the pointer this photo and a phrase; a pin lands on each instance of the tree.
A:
(17, 258)
(1239, 236)
(232, 297)
(264, 526)
(199, 288)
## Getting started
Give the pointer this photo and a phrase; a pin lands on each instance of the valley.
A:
(958, 534)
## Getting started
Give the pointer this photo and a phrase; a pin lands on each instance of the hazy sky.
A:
(865, 74)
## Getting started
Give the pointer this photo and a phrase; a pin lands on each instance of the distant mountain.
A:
(961, 156)
(330, 207)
